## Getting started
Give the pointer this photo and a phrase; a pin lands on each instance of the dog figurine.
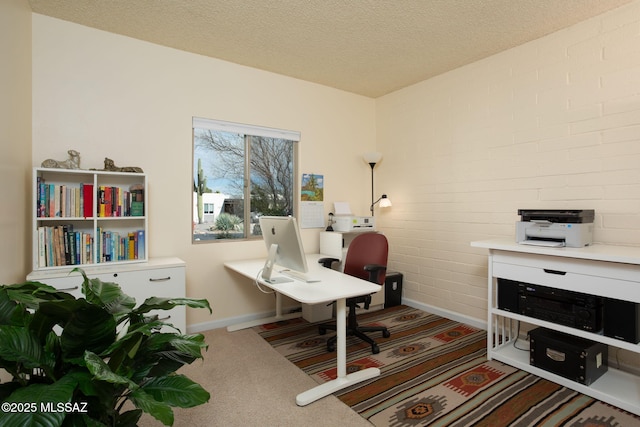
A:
(109, 165)
(73, 162)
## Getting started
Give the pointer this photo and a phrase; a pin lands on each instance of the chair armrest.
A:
(374, 271)
(326, 262)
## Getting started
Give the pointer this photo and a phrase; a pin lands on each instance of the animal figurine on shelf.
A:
(73, 162)
(110, 166)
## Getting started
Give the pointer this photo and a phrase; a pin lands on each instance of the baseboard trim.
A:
(472, 321)
(229, 321)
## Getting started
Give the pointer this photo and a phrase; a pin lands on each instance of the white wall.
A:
(15, 139)
(111, 96)
(551, 124)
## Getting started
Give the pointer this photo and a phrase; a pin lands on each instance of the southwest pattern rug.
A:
(434, 372)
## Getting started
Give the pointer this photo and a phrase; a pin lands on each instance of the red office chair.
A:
(367, 259)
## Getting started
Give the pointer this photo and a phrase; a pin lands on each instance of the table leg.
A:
(343, 380)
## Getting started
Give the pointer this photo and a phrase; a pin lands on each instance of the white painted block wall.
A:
(552, 124)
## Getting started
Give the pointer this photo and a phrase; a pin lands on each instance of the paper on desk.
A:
(341, 208)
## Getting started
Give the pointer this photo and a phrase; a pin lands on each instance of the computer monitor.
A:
(282, 238)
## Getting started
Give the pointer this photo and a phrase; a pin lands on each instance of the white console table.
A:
(602, 270)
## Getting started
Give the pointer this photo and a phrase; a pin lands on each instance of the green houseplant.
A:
(76, 362)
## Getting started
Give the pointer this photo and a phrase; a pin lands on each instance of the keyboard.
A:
(296, 275)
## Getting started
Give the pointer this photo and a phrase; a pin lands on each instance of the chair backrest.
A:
(367, 248)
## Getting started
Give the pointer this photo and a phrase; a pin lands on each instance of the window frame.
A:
(247, 131)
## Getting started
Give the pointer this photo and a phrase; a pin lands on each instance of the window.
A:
(240, 172)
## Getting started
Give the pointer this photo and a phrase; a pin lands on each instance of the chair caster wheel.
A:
(386, 334)
(331, 348)
(375, 349)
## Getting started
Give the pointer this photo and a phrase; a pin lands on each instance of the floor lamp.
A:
(373, 158)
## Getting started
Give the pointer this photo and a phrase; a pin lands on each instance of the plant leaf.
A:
(129, 418)
(102, 372)
(164, 353)
(85, 326)
(90, 329)
(159, 410)
(10, 312)
(157, 303)
(60, 391)
(107, 295)
(177, 390)
(31, 294)
(20, 345)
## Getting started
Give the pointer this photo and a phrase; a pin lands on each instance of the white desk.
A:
(333, 286)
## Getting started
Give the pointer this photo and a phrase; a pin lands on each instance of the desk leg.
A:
(277, 318)
(343, 380)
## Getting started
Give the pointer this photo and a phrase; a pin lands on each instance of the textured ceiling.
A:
(369, 47)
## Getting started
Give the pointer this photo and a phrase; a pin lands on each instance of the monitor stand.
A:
(268, 267)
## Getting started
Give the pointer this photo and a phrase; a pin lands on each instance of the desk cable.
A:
(257, 283)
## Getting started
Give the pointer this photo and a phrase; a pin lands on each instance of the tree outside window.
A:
(238, 177)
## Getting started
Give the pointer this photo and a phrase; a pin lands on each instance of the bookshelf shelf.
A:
(85, 218)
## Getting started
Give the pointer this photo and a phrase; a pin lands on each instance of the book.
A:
(42, 252)
(106, 250)
(64, 207)
(56, 200)
(137, 200)
(141, 244)
(87, 200)
(42, 202)
(131, 247)
(50, 252)
(137, 208)
(108, 201)
(51, 210)
(97, 246)
(67, 229)
(78, 201)
(88, 248)
(101, 205)
(58, 247)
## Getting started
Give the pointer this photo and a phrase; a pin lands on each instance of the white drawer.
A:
(614, 280)
(71, 284)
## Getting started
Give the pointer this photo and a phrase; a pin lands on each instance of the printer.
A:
(555, 228)
(353, 223)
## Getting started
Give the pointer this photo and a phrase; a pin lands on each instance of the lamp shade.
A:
(385, 202)
(372, 157)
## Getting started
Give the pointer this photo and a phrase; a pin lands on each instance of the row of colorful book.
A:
(68, 201)
(114, 246)
(61, 245)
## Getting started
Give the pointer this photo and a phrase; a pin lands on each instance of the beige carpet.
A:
(253, 385)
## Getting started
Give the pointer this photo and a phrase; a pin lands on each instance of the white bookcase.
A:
(84, 218)
(601, 270)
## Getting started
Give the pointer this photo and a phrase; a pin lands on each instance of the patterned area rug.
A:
(434, 372)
